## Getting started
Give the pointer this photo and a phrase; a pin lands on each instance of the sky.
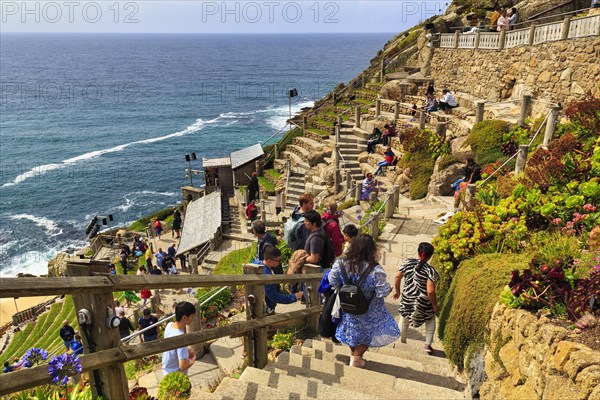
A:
(195, 16)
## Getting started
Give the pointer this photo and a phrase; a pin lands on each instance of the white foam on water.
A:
(281, 114)
(130, 198)
(44, 169)
(50, 227)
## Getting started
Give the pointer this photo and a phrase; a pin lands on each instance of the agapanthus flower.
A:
(34, 356)
(60, 367)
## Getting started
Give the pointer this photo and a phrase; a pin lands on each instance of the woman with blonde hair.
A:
(376, 327)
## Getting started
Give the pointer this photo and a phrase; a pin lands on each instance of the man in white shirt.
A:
(447, 101)
(179, 360)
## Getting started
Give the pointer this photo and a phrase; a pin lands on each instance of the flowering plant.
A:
(62, 366)
(34, 356)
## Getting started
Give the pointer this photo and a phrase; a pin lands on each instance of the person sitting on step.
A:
(390, 159)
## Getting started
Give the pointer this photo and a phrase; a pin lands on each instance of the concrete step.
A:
(231, 388)
(309, 142)
(204, 395)
(305, 387)
(376, 379)
(411, 352)
(351, 139)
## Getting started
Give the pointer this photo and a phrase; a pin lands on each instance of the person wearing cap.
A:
(144, 322)
(67, 333)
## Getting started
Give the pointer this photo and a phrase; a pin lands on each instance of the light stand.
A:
(189, 171)
(292, 93)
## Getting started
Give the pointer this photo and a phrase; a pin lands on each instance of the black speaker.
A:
(193, 156)
(429, 26)
(110, 217)
(293, 93)
(104, 221)
(187, 157)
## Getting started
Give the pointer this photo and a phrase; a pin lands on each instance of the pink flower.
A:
(557, 221)
(569, 224)
(588, 207)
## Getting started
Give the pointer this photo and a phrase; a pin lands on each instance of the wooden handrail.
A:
(31, 377)
(20, 287)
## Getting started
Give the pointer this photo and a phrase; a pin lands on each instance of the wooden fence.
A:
(536, 34)
(95, 293)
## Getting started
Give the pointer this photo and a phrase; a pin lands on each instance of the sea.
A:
(99, 124)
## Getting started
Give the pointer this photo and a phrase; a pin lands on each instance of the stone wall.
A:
(558, 71)
(531, 358)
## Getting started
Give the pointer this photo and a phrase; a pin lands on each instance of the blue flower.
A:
(188, 290)
(34, 356)
(62, 366)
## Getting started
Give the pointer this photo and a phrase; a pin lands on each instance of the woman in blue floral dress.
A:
(375, 328)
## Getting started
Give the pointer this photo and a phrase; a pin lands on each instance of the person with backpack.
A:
(418, 305)
(295, 233)
(271, 260)
(319, 248)
(365, 321)
(331, 227)
(264, 239)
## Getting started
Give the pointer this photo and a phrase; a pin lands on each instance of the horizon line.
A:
(197, 33)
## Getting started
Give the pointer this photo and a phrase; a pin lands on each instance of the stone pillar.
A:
(477, 39)
(263, 211)
(396, 195)
(259, 168)
(396, 110)
(336, 179)
(304, 123)
(502, 40)
(196, 326)
(479, 110)
(339, 121)
(374, 226)
(357, 117)
(194, 270)
(531, 34)
(456, 37)
(358, 190)
(525, 107)
(377, 107)
(348, 180)
(440, 129)
(564, 29)
(372, 197)
(550, 125)
(521, 159)
(389, 205)
(422, 119)
(276, 150)
(469, 196)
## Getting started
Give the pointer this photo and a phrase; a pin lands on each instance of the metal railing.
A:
(368, 221)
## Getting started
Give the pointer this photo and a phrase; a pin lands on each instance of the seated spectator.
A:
(8, 367)
(252, 211)
(390, 131)
(431, 105)
(155, 270)
(448, 101)
(390, 159)
(413, 110)
(369, 185)
(375, 139)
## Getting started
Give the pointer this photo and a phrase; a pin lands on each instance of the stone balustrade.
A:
(533, 35)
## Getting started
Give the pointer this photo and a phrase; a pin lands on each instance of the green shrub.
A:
(232, 263)
(447, 160)
(175, 385)
(141, 224)
(486, 139)
(283, 341)
(468, 304)
(421, 166)
(266, 184)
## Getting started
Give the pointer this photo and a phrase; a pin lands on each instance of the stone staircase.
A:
(295, 188)
(318, 369)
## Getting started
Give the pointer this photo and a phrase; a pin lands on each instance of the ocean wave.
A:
(50, 226)
(130, 199)
(44, 169)
(282, 114)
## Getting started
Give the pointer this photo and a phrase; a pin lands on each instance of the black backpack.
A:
(328, 252)
(352, 298)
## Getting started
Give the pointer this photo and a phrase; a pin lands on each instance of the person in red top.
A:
(331, 227)
(252, 211)
(390, 159)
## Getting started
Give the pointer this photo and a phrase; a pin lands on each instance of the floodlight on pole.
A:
(189, 171)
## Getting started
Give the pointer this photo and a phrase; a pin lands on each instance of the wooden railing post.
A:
(357, 117)
(551, 125)
(396, 110)
(358, 191)
(374, 226)
(440, 129)
(521, 159)
(194, 264)
(337, 134)
(259, 168)
(479, 110)
(382, 71)
(109, 382)
(304, 123)
(256, 343)
(422, 119)
(525, 107)
(456, 38)
(377, 107)
(312, 293)
(348, 180)
(276, 150)
(263, 210)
